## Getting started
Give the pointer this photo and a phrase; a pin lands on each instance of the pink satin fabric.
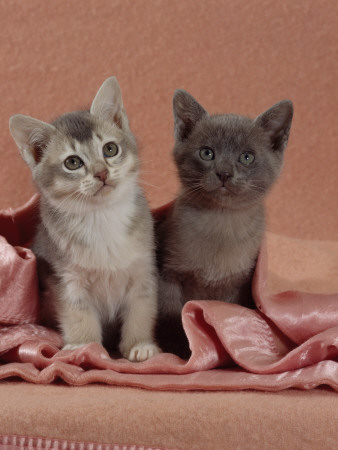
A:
(291, 340)
(18, 281)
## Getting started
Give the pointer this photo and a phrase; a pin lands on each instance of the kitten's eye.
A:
(73, 163)
(207, 154)
(110, 149)
(247, 158)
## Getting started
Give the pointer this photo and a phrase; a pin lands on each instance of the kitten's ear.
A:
(31, 136)
(108, 104)
(187, 112)
(276, 121)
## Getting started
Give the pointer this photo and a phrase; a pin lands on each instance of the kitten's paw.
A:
(143, 351)
(73, 346)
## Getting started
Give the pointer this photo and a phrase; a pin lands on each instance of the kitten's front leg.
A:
(78, 319)
(138, 316)
(80, 326)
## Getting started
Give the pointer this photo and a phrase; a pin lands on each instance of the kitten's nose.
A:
(224, 176)
(102, 175)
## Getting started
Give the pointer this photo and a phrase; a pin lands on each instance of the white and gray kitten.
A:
(95, 241)
(209, 242)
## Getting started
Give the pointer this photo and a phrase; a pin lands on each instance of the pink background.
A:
(240, 57)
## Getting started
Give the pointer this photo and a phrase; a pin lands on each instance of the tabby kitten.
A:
(94, 244)
(209, 242)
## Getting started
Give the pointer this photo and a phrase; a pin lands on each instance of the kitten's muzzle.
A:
(224, 176)
(106, 186)
(103, 175)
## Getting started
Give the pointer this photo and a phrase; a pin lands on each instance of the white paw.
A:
(143, 351)
(73, 346)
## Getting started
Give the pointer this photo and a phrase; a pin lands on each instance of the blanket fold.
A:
(290, 340)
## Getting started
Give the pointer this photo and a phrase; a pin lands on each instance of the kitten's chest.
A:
(100, 240)
(218, 245)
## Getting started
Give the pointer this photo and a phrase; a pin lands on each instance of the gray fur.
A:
(76, 125)
(209, 242)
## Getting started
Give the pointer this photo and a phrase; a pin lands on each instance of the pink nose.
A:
(102, 175)
(224, 176)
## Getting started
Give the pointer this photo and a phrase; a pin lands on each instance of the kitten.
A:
(95, 242)
(209, 242)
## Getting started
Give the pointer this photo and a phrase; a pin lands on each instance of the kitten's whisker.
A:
(82, 199)
(68, 199)
(195, 189)
(256, 187)
(149, 184)
(57, 215)
(155, 172)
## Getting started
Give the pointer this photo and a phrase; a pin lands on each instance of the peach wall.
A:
(233, 56)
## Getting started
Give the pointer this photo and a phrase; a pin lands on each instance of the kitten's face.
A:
(84, 158)
(225, 161)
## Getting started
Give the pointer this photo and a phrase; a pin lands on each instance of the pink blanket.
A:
(291, 340)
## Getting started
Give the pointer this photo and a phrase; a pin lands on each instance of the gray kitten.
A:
(209, 242)
(94, 245)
